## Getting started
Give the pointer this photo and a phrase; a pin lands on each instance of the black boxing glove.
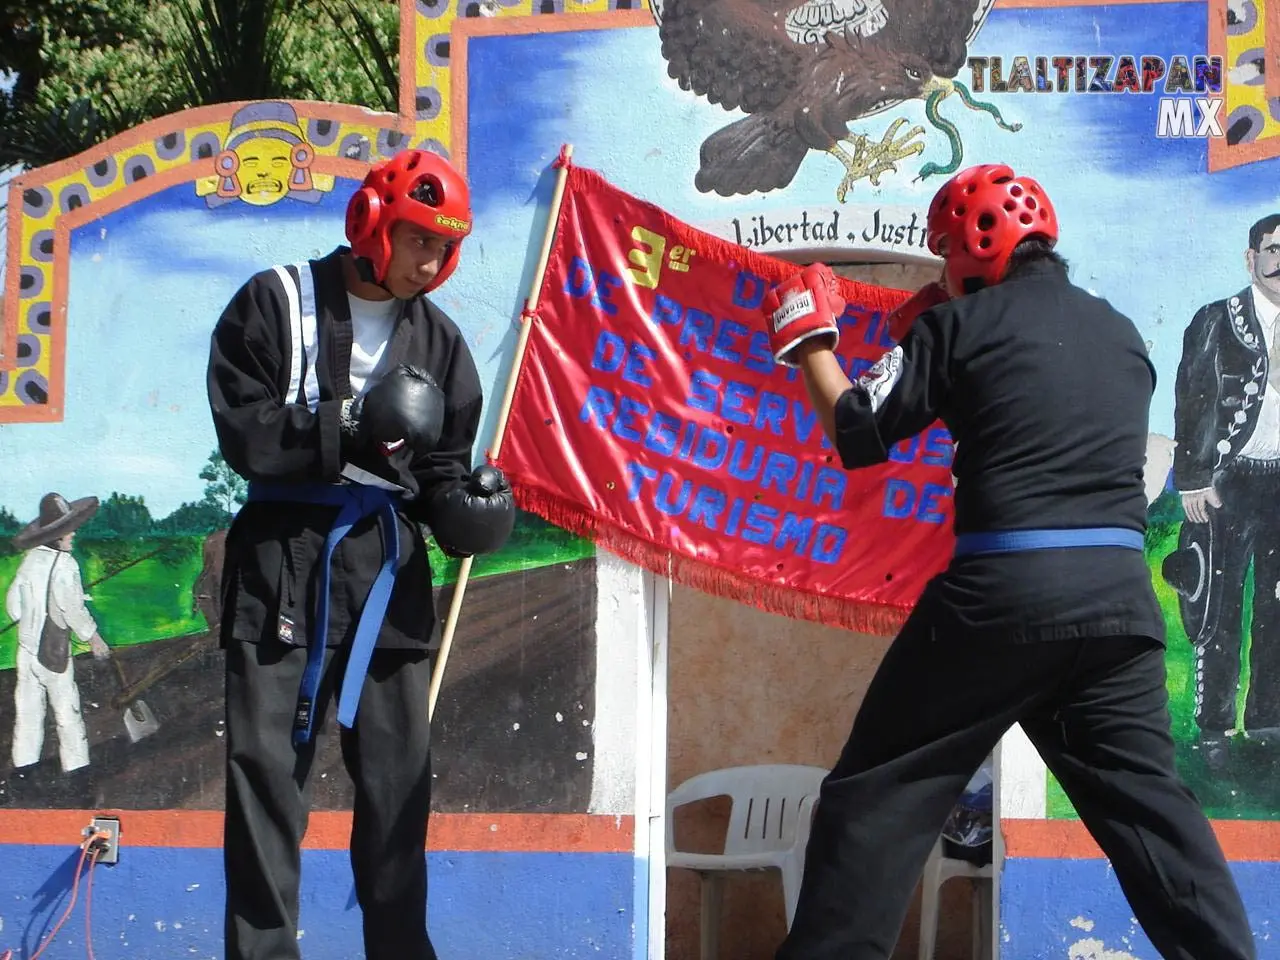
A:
(475, 515)
(405, 408)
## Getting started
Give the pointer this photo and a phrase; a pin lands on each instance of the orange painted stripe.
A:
(498, 832)
(459, 36)
(408, 68)
(464, 28)
(57, 342)
(1271, 47)
(1041, 4)
(12, 306)
(1244, 840)
(29, 413)
(1222, 156)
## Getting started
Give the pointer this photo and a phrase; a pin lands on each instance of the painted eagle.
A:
(803, 70)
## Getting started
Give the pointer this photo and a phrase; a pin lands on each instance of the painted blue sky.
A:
(1144, 227)
(147, 284)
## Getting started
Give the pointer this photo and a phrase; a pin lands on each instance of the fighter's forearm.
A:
(825, 381)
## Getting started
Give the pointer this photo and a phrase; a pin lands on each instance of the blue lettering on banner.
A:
(708, 506)
(934, 448)
(795, 487)
(729, 340)
(749, 290)
(731, 400)
(902, 501)
(599, 285)
(723, 338)
(714, 450)
(612, 354)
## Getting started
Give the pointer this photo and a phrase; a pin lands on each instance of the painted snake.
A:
(947, 127)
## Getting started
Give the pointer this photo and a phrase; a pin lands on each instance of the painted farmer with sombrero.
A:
(46, 599)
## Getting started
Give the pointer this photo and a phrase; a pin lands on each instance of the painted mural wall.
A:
(111, 689)
(1155, 127)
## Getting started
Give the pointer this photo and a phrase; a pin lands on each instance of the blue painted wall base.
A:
(1075, 910)
(166, 904)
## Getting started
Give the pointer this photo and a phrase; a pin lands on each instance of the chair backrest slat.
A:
(767, 801)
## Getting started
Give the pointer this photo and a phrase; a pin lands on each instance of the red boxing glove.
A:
(807, 305)
(904, 315)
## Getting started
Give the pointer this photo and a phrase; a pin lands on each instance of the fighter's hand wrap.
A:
(405, 408)
(806, 306)
(904, 315)
(475, 515)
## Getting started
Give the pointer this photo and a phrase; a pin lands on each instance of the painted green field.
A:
(149, 601)
(152, 600)
(1244, 790)
(534, 543)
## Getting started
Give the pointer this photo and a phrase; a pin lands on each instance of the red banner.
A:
(648, 414)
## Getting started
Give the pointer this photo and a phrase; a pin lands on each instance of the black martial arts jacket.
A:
(279, 368)
(1046, 391)
(1224, 367)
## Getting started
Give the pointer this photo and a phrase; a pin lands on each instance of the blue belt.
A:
(1013, 541)
(355, 502)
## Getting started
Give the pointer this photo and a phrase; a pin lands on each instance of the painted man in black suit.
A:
(1226, 468)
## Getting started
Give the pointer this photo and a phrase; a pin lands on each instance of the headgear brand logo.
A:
(1191, 96)
(452, 223)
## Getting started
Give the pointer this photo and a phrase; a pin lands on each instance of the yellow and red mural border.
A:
(1264, 35)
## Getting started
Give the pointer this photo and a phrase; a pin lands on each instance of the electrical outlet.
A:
(108, 846)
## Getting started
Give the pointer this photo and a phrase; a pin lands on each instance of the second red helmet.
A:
(416, 186)
(983, 213)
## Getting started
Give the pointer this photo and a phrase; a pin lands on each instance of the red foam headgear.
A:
(386, 197)
(983, 213)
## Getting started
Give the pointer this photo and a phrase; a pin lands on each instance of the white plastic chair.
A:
(768, 829)
(937, 871)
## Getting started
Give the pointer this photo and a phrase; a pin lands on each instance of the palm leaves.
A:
(233, 50)
(380, 64)
(41, 132)
(204, 52)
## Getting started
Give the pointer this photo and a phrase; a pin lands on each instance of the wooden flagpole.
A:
(527, 319)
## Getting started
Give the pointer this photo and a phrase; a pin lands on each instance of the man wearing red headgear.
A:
(1046, 614)
(350, 402)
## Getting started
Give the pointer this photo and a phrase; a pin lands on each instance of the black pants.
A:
(387, 756)
(1245, 529)
(1097, 712)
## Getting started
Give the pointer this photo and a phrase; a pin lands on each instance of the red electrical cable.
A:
(88, 906)
(75, 890)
